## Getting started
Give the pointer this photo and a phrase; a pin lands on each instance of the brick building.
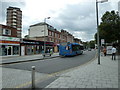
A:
(10, 34)
(45, 32)
(9, 42)
(14, 19)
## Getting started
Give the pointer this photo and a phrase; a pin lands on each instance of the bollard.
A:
(33, 76)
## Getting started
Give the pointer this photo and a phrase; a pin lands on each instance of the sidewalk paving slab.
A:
(90, 75)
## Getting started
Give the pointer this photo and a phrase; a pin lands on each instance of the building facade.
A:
(66, 36)
(14, 19)
(76, 40)
(45, 32)
(9, 42)
(31, 47)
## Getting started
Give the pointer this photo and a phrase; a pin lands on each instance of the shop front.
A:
(9, 46)
(31, 47)
(49, 47)
(56, 47)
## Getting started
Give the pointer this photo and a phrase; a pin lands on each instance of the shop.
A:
(56, 47)
(31, 47)
(9, 46)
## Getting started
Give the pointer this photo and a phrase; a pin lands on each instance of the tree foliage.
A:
(90, 44)
(109, 28)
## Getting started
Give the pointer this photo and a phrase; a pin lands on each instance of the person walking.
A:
(104, 51)
(113, 53)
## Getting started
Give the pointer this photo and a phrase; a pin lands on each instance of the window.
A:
(14, 20)
(55, 34)
(14, 17)
(67, 47)
(15, 50)
(14, 13)
(18, 28)
(14, 10)
(6, 32)
(18, 32)
(14, 24)
(52, 33)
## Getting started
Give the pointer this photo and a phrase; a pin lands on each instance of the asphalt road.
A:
(53, 65)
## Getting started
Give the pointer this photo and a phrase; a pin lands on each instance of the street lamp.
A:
(98, 40)
(44, 34)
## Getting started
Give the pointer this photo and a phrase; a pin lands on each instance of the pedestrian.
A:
(113, 53)
(51, 51)
(104, 51)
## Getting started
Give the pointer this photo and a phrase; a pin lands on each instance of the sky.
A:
(78, 17)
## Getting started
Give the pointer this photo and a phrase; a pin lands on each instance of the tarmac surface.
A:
(89, 75)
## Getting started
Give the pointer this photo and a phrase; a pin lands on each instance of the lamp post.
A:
(44, 34)
(98, 40)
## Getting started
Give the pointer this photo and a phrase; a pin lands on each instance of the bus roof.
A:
(64, 44)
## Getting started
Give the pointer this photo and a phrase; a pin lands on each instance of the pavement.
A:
(15, 78)
(26, 58)
(89, 75)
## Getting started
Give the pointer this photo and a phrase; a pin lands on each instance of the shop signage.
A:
(29, 42)
(9, 38)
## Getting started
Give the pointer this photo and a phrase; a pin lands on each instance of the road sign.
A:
(102, 41)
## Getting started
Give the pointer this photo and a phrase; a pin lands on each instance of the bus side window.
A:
(67, 47)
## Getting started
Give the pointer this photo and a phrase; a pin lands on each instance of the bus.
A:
(70, 49)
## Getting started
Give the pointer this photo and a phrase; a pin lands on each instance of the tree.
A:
(109, 28)
(92, 44)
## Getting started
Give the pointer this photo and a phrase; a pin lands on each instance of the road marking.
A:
(55, 74)
(36, 81)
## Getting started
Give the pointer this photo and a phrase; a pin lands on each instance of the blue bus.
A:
(70, 49)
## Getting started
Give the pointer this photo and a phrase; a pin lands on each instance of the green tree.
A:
(109, 28)
(92, 44)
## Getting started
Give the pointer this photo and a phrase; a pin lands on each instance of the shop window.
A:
(15, 50)
(4, 50)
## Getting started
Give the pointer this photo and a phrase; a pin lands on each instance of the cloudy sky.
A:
(76, 16)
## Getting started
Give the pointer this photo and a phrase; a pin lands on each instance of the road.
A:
(19, 74)
(53, 65)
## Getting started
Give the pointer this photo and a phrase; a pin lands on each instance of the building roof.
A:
(14, 8)
(5, 26)
(39, 24)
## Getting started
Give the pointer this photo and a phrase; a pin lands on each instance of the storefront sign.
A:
(9, 38)
(10, 42)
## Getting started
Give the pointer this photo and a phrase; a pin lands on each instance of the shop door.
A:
(22, 50)
(9, 50)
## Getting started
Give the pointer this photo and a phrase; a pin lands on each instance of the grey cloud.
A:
(78, 17)
(81, 17)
